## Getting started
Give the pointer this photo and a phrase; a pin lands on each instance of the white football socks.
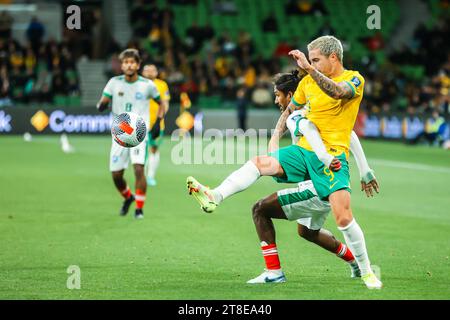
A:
(237, 181)
(153, 163)
(314, 139)
(354, 238)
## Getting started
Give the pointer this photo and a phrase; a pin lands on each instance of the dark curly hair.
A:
(288, 82)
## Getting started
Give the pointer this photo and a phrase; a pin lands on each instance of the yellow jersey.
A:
(164, 93)
(334, 118)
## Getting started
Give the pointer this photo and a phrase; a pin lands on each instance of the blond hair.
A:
(327, 45)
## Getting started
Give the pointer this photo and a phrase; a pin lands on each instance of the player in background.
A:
(331, 101)
(150, 71)
(130, 93)
(302, 203)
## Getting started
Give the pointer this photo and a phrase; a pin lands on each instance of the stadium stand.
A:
(219, 52)
(212, 48)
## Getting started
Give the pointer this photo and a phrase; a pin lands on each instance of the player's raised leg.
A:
(354, 237)
(236, 182)
(124, 190)
(263, 212)
(326, 240)
(141, 188)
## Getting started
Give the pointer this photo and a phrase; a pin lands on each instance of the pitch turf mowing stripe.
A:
(409, 165)
(286, 199)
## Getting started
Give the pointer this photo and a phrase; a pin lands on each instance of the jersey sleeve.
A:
(356, 83)
(153, 92)
(299, 99)
(109, 89)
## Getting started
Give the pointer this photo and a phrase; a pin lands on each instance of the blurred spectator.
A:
(270, 24)
(241, 106)
(375, 42)
(224, 7)
(319, 8)
(282, 49)
(183, 2)
(58, 83)
(433, 130)
(35, 33)
(5, 100)
(306, 7)
(42, 89)
(262, 97)
(6, 22)
(299, 7)
(228, 46)
(195, 37)
(245, 48)
(326, 30)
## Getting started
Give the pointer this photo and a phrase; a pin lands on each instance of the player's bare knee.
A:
(117, 176)
(306, 233)
(257, 161)
(258, 209)
(344, 220)
(139, 170)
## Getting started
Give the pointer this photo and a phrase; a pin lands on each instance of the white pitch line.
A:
(409, 165)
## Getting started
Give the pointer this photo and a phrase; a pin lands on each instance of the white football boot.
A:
(371, 281)
(269, 276)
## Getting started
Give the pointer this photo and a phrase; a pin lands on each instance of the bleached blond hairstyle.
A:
(328, 45)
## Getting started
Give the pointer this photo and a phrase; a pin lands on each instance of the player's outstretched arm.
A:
(280, 130)
(336, 90)
(368, 179)
(103, 103)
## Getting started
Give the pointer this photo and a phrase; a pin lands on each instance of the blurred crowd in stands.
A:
(204, 62)
(42, 69)
(207, 62)
(37, 71)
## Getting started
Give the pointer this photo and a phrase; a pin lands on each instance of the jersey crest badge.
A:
(356, 81)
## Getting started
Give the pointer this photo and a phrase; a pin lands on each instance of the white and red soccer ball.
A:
(128, 129)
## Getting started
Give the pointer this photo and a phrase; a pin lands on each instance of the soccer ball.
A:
(128, 129)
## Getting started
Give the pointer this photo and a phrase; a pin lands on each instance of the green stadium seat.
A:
(60, 100)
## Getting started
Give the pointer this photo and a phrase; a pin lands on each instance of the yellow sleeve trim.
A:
(296, 103)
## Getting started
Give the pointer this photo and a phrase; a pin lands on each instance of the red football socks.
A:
(140, 198)
(344, 252)
(270, 254)
(126, 193)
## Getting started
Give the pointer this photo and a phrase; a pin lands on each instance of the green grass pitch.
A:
(58, 210)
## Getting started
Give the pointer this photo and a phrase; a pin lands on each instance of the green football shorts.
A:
(300, 164)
